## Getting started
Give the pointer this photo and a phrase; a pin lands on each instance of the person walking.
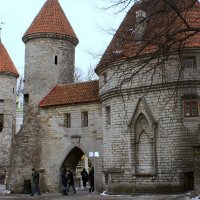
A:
(64, 181)
(91, 178)
(6, 179)
(84, 176)
(35, 180)
(70, 179)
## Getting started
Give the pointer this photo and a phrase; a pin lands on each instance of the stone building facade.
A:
(8, 80)
(145, 138)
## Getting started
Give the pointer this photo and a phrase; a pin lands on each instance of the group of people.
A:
(68, 180)
(88, 178)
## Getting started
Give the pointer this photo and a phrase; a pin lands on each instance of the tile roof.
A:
(51, 20)
(6, 64)
(159, 27)
(69, 94)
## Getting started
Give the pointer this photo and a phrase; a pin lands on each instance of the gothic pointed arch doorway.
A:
(76, 160)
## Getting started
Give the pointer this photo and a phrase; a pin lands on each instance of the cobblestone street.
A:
(83, 195)
(93, 197)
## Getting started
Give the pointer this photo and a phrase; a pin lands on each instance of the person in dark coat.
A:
(6, 179)
(35, 179)
(70, 178)
(91, 177)
(84, 176)
(64, 181)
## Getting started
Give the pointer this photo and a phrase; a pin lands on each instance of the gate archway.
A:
(76, 160)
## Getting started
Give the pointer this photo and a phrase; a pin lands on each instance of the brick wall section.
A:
(7, 108)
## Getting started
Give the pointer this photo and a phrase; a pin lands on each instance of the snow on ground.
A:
(194, 198)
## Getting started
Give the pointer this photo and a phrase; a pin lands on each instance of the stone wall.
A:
(168, 159)
(41, 72)
(58, 141)
(196, 156)
(169, 154)
(7, 108)
(25, 152)
(45, 143)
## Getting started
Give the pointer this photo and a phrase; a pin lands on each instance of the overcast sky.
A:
(86, 19)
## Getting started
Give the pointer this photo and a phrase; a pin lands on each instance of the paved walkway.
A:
(84, 195)
(2, 188)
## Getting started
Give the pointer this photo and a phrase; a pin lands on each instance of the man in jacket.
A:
(35, 180)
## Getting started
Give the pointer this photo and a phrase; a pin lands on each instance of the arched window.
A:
(144, 147)
(144, 155)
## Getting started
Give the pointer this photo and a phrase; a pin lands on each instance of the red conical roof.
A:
(6, 64)
(50, 22)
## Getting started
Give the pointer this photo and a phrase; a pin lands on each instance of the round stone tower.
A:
(49, 53)
(8, 80)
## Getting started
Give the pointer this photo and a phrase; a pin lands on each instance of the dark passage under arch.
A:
(72, 159)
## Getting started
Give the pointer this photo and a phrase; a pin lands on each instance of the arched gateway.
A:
(76, 160)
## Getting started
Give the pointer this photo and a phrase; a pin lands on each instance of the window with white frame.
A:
(189, 62)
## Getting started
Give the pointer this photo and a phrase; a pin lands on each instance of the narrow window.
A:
(1, 122)
(106, 178)
(191, 108)
(105, 77)
(13, 90)
(26, 99)
(108, 116)
(84, 119)
(68, 120)
(189, 62)
(56, 60)
(1, 100)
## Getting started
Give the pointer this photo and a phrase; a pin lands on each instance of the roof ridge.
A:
(78, 83)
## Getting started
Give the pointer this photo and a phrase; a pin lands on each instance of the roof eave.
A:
(32, 36)
(16, 75)
(68, 104)
(101, 66)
